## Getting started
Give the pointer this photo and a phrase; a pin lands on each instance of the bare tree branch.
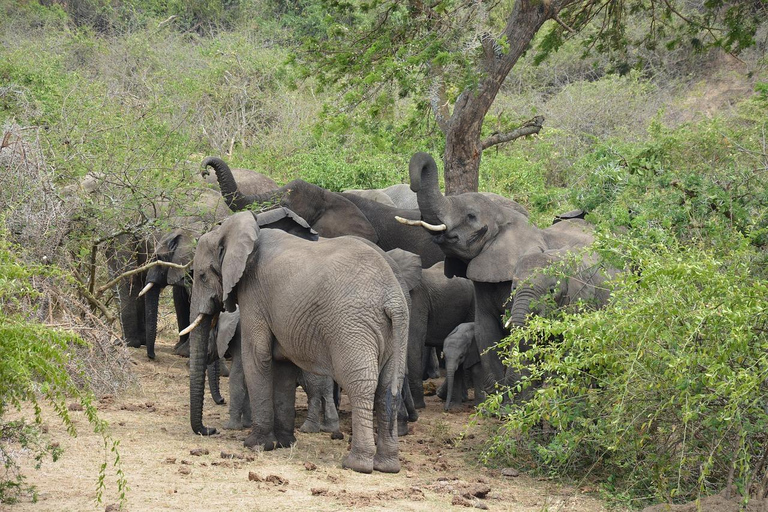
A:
(138, 270)
(528, 128)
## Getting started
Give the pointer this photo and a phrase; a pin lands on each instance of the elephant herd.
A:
(355, 288)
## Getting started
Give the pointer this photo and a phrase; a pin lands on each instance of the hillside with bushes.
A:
(659, 397)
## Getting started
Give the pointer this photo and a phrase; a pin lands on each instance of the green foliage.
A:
(662, 393)
(33, 365)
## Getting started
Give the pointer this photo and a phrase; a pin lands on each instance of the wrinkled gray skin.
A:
(459, 349)
(318, 316)
(483, 242)
(321, 414)
(333, 215)
(375, 194)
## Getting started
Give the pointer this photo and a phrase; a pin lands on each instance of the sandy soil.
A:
(169, 468)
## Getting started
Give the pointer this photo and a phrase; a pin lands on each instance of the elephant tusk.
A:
(506, 324)
(431, 227)
(192, 326)
(146, 289)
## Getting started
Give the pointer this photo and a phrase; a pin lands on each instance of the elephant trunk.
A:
(198, 349)
(214, 375)
(450, 372)
(229, 189)
(521, 307)
(151, 304)
(424, 181)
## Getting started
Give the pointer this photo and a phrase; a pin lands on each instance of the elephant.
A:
(332, 307)
(483, 241)
(322, 415)
(335, 214)
(460, 350)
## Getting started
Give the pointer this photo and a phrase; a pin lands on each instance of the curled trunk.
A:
(424, 181)
(198, 351)
(214, 374)
(521, 307)
(229, 190)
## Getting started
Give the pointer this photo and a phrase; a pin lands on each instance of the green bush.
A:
(34, 359)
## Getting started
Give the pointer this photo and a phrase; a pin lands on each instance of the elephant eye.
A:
(471, 216)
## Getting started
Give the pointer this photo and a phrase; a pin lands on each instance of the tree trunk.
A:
(463, 143)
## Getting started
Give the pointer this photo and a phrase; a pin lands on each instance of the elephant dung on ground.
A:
(332, 307)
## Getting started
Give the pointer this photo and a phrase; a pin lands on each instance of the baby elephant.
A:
(460, 350)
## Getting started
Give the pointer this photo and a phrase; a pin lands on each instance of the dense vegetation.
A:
(659, 396)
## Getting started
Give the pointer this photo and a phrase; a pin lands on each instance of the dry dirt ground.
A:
(169, 468)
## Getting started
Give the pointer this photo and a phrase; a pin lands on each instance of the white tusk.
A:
(410, 222)
(192, 326)
(146, 289)
(506, 324)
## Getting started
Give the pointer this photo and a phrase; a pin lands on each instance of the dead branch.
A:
(138, 270)
(530, 127)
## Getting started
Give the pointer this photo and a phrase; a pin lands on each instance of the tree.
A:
(453, 56)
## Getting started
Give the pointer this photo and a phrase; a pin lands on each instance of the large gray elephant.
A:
(332, 307)
(483, 241)
(177, 246)
(333, 214)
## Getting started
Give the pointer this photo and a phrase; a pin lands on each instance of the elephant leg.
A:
(181, 300)
(410, 408)
(431, 364)
(488, 328)
(361, 393)
(311, 384)
(257, 366)
(284, 377)
(331, 415)
(477, 381)
(417, 333)
(124, 253)
(239, 403)
(387, 406)
(415, 369)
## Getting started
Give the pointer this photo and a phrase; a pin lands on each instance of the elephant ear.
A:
(341, 216)
(408, 265)
(227, 326)
(496, 263)
(287, 220)
(183, 252)
(238, 240)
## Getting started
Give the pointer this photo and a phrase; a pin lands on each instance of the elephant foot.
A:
(386, 464)
(135, 342)
(310, 427)
(402, 428)
(234, 425)
(413, 416)
(357, 463)
(442, 391)
(286, 440)
(181, 349)
(267, 442)
(336, 436)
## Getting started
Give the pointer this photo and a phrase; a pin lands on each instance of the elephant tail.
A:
(397, 311)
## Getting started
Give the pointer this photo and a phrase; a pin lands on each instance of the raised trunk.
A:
(236, 201)
(450, 372)
(423, 175)
(151, 304)
(198, 349)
